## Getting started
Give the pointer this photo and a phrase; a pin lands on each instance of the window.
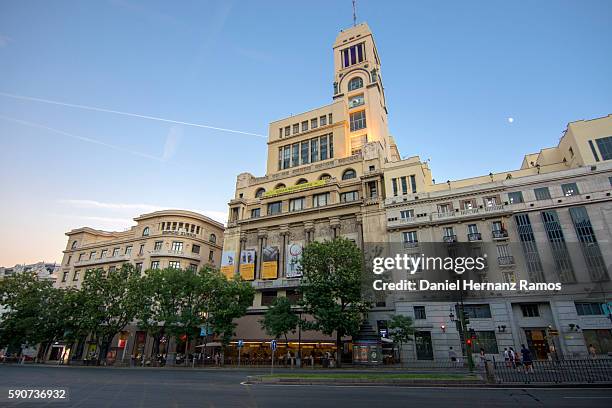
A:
(296, 204)
(305, 149)
(296, 128)
(410, 237)
(355, 101)
(530, 248)
(491, 202)
(445, 208)
(301, 181)
(65, 276)
(158, 245)
(81, 257)
(154, 264)
(313, 123)
(75, 277)
(515, 197)
(195, 249)
(355, 83)
(212, 238)
(486, 340)
(419, 313)
(497, 226)
(372, 189)
(404, 185)
(601, 339)
(394, 185)
(287, 130)
(275, 207)
(542, 193)
(304, 126)
(449, 231)
(477, 311)
(349, 174)
(325, 176)
(141, 250)
(413, 183)
(260, 192)
(128, 250)
(569, 189)
(323, 146)
(358, 120)
(589, 245)
(69, 259)
(605, 147)
(92, 255)
(211, 255)
(295, 154)
(103, 253)
(472, 229)
(406, 214)
(193, 267)
(560, 252)
(267, 297)
(115, 252)
(323, 120)
(74, 245)
(530, 310)
(588, 309)
(314, 150)
(349, 196)
(174, 264)
(139, 266)
(255, 212)
(319, 200)
(352, 55)
(145, 232)
(177, 246)
(286, 157)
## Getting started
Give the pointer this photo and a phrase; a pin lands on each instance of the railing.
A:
(106, 259)
(584, 371)
(505, 260)
(449, 239)
(474, 236)
(499, 234)
(411, 244)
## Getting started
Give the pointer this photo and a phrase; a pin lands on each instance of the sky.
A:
(472, 86)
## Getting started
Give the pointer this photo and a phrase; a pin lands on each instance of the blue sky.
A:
(454, 72)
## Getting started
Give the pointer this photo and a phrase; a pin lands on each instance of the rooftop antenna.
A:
(354, 13)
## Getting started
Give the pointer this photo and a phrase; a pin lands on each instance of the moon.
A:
(510, 119)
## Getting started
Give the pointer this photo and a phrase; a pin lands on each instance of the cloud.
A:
(174, 135)
(5, 40)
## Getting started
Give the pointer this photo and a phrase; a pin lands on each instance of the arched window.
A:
(74, 245)
(355, 83)
(302, 181)
(325, 176)
(145, 232)
(213, 238)
(260, 192)
(279, 185)
(349, 174)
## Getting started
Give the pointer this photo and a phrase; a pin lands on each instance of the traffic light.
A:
(472, 333)
(466, 319)
(469, 342)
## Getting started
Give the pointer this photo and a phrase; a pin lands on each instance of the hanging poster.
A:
(228, 263)
(270, 263)
(294, 259)
(247, 264)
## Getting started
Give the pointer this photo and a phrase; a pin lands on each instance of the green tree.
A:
(401, 330)
(280, 319)
(332, 288)
(111, 302)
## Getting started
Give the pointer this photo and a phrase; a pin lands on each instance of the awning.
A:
(214, 344)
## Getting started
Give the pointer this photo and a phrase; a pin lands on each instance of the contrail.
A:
(82, 138)
(134, 115)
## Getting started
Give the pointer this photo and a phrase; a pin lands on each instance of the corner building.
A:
(324, 179)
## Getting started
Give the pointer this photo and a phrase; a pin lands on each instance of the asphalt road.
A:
(138, 387)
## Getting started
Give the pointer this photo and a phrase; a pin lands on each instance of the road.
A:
(151, 387)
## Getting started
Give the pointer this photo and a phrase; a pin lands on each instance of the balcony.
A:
(411, 244)
(499, 234)
(474, 236)
(173, 253)
(505, 260)
(276, 283)
(449, 239)
(108, 259)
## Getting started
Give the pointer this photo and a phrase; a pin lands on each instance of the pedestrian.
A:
(483, 357)
(527, 359)
(592, 351)
(452, 354)
(512, 357)
(507, 356)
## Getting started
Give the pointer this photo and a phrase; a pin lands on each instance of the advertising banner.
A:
(228, 262)
(294, 259)
(270, 263)
(247, 264)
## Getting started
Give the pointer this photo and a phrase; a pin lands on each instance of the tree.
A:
(331, 288)
(401, 330)
(111, 302)
(280, 319)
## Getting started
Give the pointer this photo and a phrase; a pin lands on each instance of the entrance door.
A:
(56, 352)
(424, 350)
(537, 343)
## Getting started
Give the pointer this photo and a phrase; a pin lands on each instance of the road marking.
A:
(433, 387)
(587, 397)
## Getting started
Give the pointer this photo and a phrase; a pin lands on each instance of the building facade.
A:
(336, 171)
(549, 221)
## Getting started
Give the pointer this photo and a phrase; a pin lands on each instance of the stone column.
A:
(284, 233)
(359, 222)
(261, 237)
(240, 248)
(309, 230)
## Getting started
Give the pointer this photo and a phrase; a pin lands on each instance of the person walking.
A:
(592, 351)
(512, 356)
(507, 356)
(527, 359)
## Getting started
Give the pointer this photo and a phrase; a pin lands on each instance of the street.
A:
(138, 387)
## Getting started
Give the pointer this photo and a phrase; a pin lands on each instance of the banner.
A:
(247, 264)
(270, 263)
(293, 189)
(294, 259)
(228, 264)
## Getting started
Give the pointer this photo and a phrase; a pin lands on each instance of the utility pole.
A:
(354, 13)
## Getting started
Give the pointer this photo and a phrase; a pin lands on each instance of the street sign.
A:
(240, 343)
(273, 345)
